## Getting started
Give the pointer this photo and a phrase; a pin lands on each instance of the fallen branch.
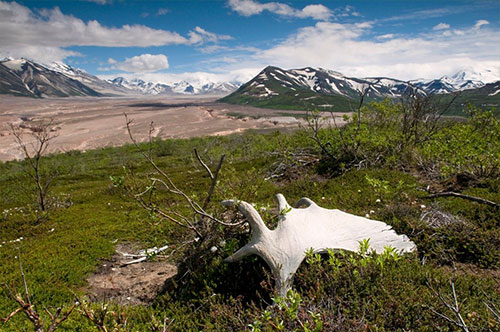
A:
(468, 197)
(148, 253)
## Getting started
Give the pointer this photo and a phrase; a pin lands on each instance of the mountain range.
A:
(182, 87)
(273, 87)
(324, 89)
(24, 77)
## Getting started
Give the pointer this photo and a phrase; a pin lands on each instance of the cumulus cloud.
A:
(252, 7)
(346, 48)
(43, 35)
(441, 26)
(140, 64)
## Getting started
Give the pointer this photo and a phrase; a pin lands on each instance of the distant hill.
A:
(310, 88)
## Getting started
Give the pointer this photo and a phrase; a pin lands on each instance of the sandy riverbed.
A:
(89, 123)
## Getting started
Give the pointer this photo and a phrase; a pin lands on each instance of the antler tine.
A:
(244, 251)
(282, 203)
(304, 201)
(253, 217)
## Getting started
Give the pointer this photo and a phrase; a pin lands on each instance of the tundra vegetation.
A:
(433, 178)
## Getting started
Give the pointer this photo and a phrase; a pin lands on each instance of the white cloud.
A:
(140, 64)
(441, 26)
(426, 13)
(200, 35)
(386, 36)
(345, 48)
(252, 7)
(42, 36)
(480, 23)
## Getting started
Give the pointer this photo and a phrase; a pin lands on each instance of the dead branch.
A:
(453, 307)
(147, 254)
(468, 197)
(28, 308)
(169, 185)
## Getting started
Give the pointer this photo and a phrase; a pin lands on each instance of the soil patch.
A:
(133, 284)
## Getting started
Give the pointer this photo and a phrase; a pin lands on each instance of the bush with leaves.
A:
(379, 133)
(471, 148)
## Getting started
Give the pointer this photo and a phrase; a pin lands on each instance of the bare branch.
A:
(214, 182)
(453, 307)
(468, 197)
(203, 164)
(172, 188)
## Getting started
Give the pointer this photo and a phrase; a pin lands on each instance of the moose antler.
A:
(313, 227)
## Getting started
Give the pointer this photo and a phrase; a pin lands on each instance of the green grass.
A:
(61, 250)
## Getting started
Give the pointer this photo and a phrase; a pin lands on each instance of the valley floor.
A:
(89, 123)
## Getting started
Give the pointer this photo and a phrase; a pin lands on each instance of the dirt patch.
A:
(133, 284)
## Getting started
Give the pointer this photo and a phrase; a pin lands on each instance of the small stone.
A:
(213, 250)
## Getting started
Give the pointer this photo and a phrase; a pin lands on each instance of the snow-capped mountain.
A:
(273, 81)
(325, 89)
(27, 78)
(142, 87)
(180, 88)
(102, 86)
(462, 80)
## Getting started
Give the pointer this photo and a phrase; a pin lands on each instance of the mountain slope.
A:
(310, 88)
(26, 78)
(93, 82)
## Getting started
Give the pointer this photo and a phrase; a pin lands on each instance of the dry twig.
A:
(28, 308)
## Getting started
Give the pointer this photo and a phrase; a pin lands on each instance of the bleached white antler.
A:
(299, 230)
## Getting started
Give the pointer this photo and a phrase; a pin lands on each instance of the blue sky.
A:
(232, 40)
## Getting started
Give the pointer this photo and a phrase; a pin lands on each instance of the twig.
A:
(468, 197)
(452, 307)
(203, 164)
